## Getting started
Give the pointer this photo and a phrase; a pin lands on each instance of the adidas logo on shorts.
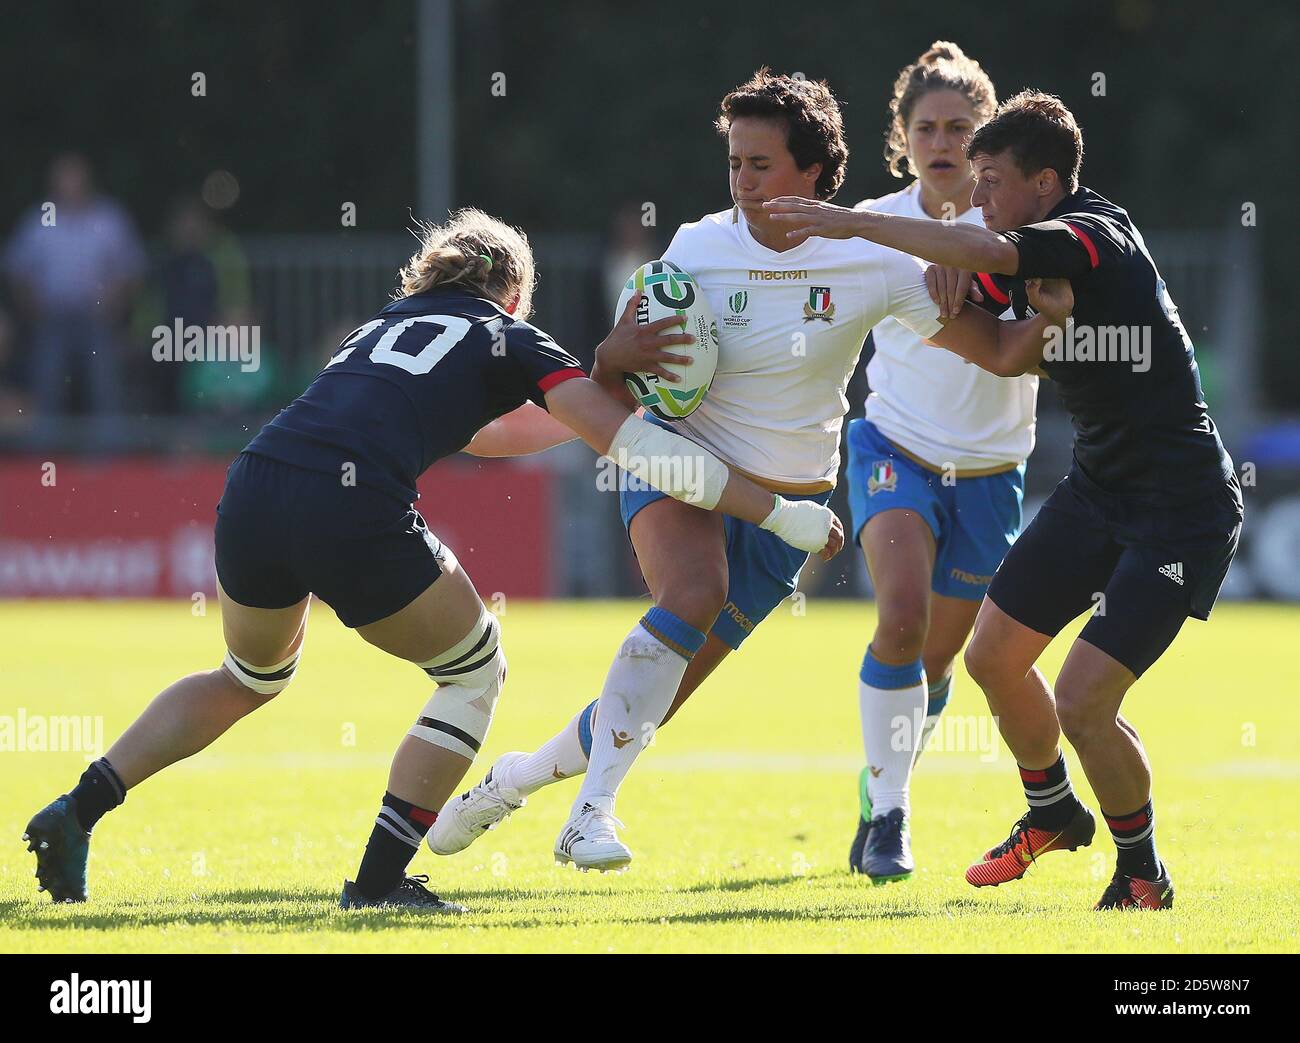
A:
(1173, 571)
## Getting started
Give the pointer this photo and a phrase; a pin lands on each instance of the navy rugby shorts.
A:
(284, 531)
(1142, 570)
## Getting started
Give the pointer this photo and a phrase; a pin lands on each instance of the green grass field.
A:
(739, 815)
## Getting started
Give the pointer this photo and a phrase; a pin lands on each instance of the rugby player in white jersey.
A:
(936, 471)
(792, 324)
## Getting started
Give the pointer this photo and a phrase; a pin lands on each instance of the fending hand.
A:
(813, 217)
(1051, 298)
(949, 287)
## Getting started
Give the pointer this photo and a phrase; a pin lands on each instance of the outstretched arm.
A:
(957, 245)
(1005, 348)
(628, 348)
(528, 429)
(689, 472)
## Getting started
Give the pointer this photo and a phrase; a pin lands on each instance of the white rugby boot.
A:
(464, 819)
(589, 840)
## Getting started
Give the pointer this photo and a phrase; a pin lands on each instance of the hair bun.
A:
(942, 50)
(943, 67)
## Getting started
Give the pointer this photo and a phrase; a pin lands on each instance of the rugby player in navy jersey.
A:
(320, 502)
(1143, 528)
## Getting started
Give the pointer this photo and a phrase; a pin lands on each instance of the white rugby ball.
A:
(666, 290)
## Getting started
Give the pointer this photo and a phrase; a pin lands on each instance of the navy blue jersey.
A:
(1126, 370)
(412, 385)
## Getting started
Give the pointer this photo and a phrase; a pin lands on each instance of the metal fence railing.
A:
(306, 287)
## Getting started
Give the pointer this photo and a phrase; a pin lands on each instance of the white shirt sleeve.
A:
(909, 300)
(676, 249)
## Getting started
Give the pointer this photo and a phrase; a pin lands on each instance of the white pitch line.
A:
(672, 764)
(933, 762)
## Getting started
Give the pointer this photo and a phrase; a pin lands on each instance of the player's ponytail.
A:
(944, 67)
(478, 253)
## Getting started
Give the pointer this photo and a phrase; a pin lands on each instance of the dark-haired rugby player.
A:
(1142, 529)
(793, 320)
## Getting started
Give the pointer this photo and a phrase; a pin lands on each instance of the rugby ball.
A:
(666, 290)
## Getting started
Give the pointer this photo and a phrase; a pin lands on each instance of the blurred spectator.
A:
(227, 388)
(628, 244)
(631, 244)
(201, 279)
(74, 263)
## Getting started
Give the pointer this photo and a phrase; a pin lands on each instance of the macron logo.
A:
(1173, 571)
(75, 996)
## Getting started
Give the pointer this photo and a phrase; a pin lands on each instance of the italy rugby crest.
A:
(819, 305)
(884, 479)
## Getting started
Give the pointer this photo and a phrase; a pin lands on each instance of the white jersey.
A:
(791, 327)
(935, 405)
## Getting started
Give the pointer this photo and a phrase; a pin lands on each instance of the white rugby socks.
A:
(562, 757)
(892, 700)
(639, 689)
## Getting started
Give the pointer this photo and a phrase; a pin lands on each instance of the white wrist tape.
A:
(668, 462)
(804, 524)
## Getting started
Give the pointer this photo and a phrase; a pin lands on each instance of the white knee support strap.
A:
(469, 676)
(265, 680)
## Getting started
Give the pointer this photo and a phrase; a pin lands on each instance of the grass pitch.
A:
(740, 815)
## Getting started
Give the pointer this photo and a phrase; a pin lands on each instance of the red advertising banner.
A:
(79, 527)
